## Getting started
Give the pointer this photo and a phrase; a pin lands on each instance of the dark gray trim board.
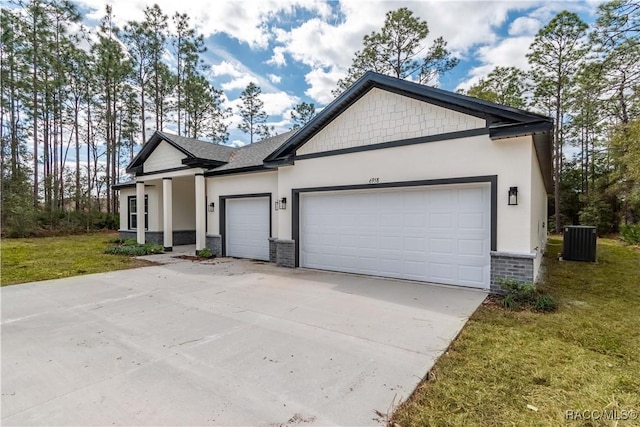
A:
(492, 113)
(398, 143)
(223, 214)
(181, 168)
(247, 169)
(491, 179)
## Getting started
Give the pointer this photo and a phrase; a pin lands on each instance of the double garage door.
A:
(439, 234)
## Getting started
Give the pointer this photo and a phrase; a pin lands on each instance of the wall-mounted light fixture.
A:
(281, 204)
(211, 206)
(513, 196)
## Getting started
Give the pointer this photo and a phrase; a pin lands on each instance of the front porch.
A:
(174, 209)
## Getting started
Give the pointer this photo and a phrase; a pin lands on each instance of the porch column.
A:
(167, 213)
(200, 213)
(140, 212)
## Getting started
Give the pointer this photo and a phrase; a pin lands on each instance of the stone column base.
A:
(510, 266)
(214, 243)
(285, 255)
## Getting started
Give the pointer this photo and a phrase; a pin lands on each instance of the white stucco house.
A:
(392, 179)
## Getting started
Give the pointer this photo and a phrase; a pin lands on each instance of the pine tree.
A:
(302, 114)
(555, 55)
(398, 50)
(503, 85)
(254, 117)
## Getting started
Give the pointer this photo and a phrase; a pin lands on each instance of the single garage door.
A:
(247, 228)
(439, 234)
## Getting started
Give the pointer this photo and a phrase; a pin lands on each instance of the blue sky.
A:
(296, 50)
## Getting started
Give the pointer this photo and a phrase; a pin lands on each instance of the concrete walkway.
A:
(221, 342)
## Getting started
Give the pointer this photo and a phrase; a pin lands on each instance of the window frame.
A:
(130, 214)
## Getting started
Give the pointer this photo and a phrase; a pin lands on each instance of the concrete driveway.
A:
(222, 342)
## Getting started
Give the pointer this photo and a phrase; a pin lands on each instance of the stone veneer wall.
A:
(506, 266)
(214, 243)
(180, 237)
(285, 253)
(273, 249)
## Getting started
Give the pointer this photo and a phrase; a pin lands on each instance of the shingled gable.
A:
(501, 121)
(197, 153)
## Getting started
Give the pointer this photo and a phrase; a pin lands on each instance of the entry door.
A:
(439, 234)
(247, 228)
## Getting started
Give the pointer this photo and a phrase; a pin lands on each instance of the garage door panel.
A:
(472, 247)
(471, 221)
(247, 227)
(437, 234)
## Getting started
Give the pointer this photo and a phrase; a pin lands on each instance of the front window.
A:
(133, 212)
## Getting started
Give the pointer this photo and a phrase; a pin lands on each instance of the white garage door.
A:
(247, 228)
(439, 234)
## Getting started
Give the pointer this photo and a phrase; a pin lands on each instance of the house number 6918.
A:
(374, 181)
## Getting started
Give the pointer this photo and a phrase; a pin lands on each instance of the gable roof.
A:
(251, 157)
(502, 121)
(197, 153)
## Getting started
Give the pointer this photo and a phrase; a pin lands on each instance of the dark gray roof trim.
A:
(131, 183)
(502, 121)
(190, 147)
(492, 113)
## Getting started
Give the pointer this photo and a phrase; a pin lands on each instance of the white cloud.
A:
(238, 83)
(243, 20)
(274, 79)
(277, 103)
(226, 68)
(278, 58)
(524, 25)
(509, 52)
(321, 83)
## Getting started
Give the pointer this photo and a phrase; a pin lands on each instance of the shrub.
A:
(131, 248)
(205, 253)
(519, 294)
(545, 303)
(630, 234)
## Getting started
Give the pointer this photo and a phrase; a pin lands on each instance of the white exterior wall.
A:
(250, 183)
(155, 206)
(382, 116)
(184, 203)
(510, 159)
(163, 157)
(539, 214)
(125, 193)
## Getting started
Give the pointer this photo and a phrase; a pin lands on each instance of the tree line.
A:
(587, 78)
(94, 94)
(73, 93)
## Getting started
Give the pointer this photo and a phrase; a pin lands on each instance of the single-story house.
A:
(392, 179)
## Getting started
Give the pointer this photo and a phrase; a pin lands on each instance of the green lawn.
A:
(527, 369)
(28, 260)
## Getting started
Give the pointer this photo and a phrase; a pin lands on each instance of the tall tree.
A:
(399, 50)
(616, 38)
(254, 117)
(503, 85)
(161, 80)
(302, 114)
(141, 44)
(555, 55)
(217, 129)
(187, 46)
(112, 70)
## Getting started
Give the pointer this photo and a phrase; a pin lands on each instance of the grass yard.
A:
(28, 260)
(586, 356)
